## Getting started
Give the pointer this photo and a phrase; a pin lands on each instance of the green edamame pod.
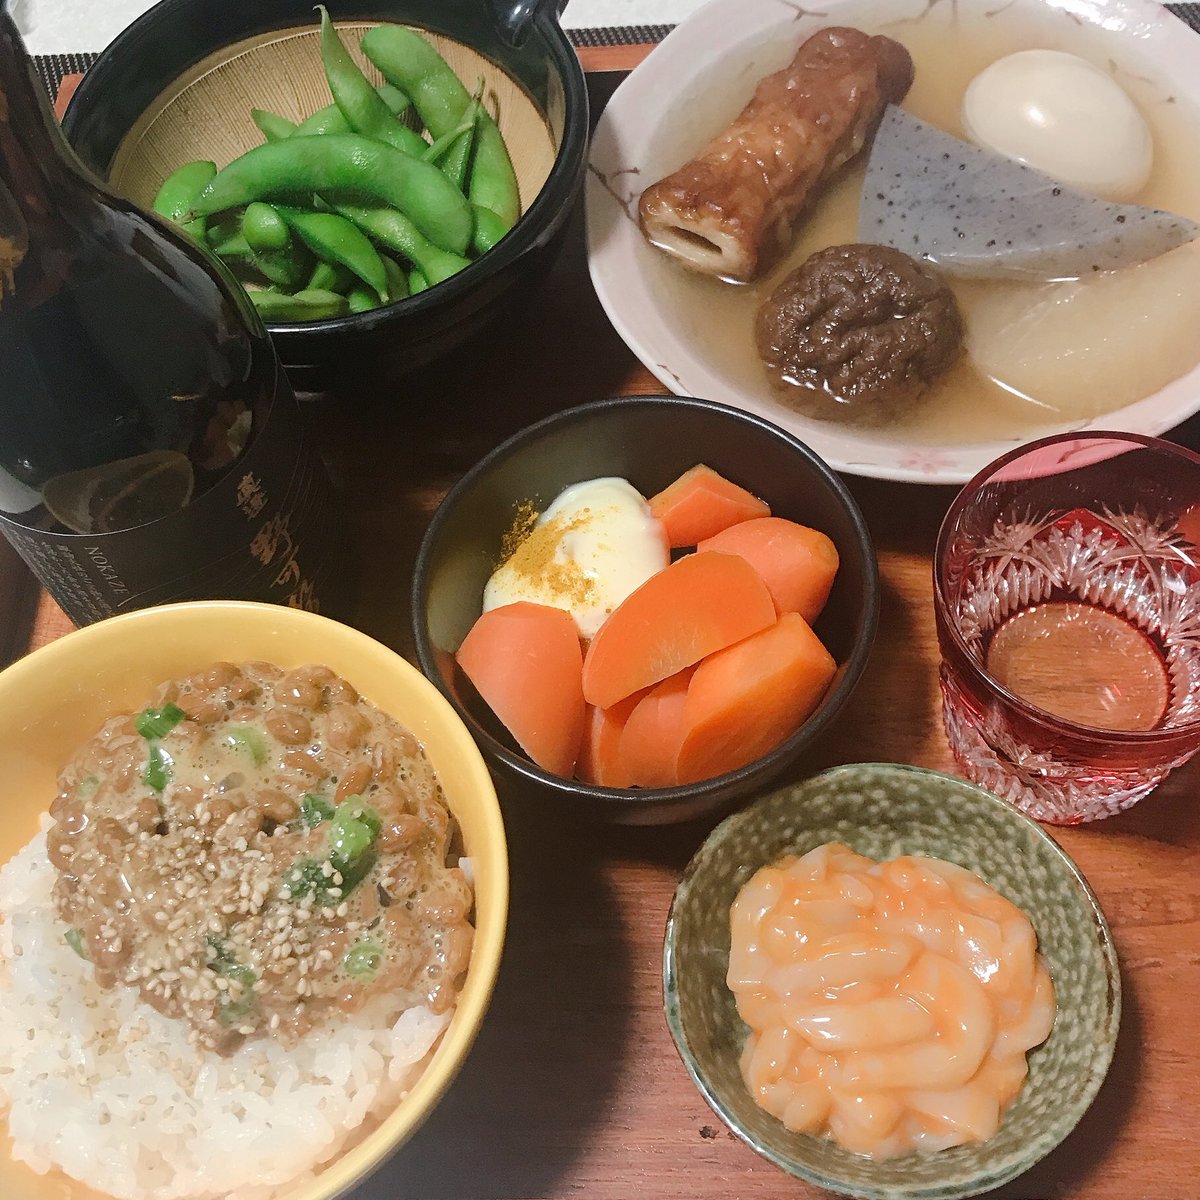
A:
(330, 277)
(287, 268)
(362, 299)
(233, 246)
(330, 120)
(397, 278)
(308, 305)
(396, 232)
(336, 239)
(452, 151)
(436, 151)
(458, 158)
(179, 191)
(394, 98)
(417, 283)
(361, 105)
(181, 188)
(325, 120)
(454, 165)
(345, 165)
(271, 125)
(489, 229)
(493, 181)
(264, 228)
(224, 226)
(409, 61)
(406, 59)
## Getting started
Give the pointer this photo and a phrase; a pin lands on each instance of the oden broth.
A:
(949, 45)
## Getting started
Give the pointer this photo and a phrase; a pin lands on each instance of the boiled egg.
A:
(1062, 115)
(593, 546)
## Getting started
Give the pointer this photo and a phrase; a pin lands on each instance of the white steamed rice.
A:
(100, 1085)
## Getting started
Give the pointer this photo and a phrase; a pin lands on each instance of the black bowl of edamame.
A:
(382, 179)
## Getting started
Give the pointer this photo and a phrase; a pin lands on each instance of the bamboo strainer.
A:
(205, 113)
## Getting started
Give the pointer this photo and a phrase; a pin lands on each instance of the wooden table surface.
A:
(574, 1086)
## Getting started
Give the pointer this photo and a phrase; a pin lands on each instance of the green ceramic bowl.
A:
(883, 810)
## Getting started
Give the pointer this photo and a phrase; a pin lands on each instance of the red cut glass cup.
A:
(1110, 521)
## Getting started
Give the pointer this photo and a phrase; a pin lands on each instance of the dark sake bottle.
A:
(151, 448)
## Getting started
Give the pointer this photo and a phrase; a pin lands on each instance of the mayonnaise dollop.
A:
(593, 546)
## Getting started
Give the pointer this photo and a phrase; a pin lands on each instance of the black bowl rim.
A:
(733, 781)
(683, 1045)
(552, 200)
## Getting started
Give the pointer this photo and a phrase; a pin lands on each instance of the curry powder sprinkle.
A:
(531, 553)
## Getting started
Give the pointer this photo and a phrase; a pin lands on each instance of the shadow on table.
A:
(1169, 814)
(544, 1070)
(393, 448)
(897, 691)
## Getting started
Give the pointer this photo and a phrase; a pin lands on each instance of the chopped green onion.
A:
(74, 939)
(314, 810)
(159, 768)
(306, 877)
(354, 829)
(86, 788)
(230, 1012)
(158, 722)
(363, 959)
(247, 740)
(352, 835)
(223, 963)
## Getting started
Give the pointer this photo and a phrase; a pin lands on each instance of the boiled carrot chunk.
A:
(797, 564)
(600, 752)
(653, 732)
(526, 662)
(701, 603)
(700, 503)
(745, 700)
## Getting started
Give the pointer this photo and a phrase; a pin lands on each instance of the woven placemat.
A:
(52, 67)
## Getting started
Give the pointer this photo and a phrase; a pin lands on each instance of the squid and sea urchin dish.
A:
(890, 1005)
(239, 936)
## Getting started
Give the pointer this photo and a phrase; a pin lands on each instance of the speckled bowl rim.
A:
(981, 1183)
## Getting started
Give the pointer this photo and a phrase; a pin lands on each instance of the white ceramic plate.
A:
(699, 77)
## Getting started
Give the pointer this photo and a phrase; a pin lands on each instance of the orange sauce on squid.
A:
(890, 1005)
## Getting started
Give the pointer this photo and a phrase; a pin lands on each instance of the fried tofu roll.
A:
(731, 210)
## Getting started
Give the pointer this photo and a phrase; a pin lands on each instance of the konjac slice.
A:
(745, 700)
(525, 661)
(652, 735)
(700, 604)
(600, 751)
(701, 503)
(975, 213)
(797, 564)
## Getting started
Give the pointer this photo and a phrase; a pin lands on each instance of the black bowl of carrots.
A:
(709, 679)
(380, 177)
